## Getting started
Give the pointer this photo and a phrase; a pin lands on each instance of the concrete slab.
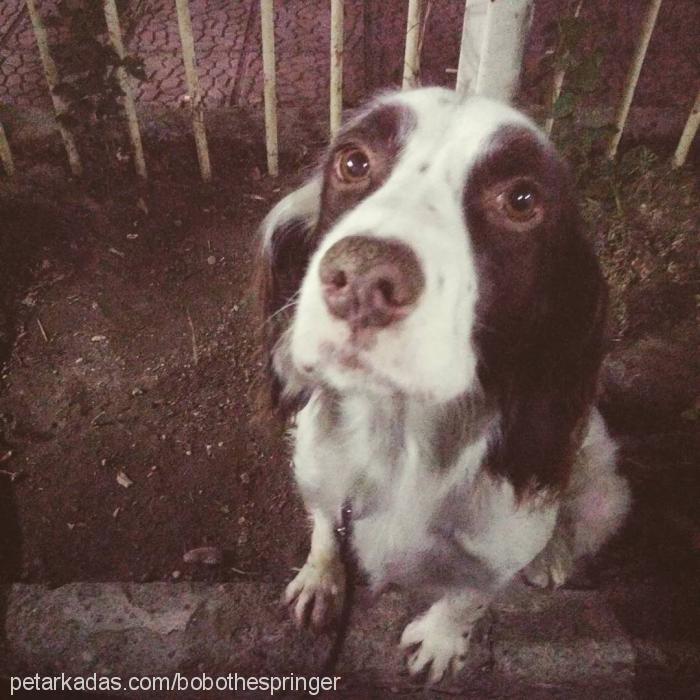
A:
(162, 628)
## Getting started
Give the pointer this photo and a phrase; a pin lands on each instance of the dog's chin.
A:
(350, 370)
(353, 375)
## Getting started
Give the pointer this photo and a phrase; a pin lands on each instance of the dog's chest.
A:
(408, 511)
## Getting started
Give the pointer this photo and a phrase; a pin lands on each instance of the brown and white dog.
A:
(433, 323)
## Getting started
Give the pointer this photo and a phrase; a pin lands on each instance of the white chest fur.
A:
(417, 519)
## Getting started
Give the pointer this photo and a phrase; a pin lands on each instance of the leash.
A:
(343, 535)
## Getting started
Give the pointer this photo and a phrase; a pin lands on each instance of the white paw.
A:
(443, 646)
(552, 567)
(315, 595)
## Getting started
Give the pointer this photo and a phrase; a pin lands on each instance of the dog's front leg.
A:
(441, 634)
(504, 545)
(316, 594)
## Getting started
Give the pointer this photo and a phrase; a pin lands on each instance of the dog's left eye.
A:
(352, 164)
(520, 203)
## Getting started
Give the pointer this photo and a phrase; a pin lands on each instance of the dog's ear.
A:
(546, 383)
(286, 245)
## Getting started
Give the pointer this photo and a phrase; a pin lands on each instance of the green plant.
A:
(575, 70)
(582, 68)
(86, 63)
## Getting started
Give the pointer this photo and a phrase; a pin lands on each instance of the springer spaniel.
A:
(433, 324)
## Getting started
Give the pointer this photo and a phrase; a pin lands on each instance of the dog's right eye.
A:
(352, 165)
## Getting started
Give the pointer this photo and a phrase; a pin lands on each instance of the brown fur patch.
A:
(540, 315)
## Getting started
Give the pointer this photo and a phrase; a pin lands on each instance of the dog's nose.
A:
(370, 282)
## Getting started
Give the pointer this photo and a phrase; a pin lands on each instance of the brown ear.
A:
(546, 382)
(287, 243)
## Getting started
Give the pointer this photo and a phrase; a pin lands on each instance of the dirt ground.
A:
(128, 361)
(128, 353)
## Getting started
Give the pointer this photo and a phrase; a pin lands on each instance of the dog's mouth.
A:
(350, 359)
(350, 364)
(351, 355)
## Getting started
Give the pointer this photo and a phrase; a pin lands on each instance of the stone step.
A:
(530, 638)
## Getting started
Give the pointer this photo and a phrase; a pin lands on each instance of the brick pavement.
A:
(227, 35)
(228, 49)
(21, 78)
(227, 39)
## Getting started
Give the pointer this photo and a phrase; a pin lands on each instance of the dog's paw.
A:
(315, 595)
(442, 647)
(552, 567)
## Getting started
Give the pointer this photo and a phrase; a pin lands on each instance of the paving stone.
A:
(11, 61)
(173, 83)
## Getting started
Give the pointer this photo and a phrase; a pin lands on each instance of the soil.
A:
(129, 363)
(128, 384)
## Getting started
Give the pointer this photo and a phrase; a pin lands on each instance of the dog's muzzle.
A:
(370, 282)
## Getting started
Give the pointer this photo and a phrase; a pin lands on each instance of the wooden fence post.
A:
(6, 153)
(691, 128)
(196, 102)
(411, 62)
(491, 49)
(633, 76)
(336, 98)
(267, 29)
(466, 59)
(51, 74)
(115, 36)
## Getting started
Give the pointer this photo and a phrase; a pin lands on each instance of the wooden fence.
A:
(493, 34)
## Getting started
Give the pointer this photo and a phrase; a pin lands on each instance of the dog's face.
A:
(436, 250)
(388, 301)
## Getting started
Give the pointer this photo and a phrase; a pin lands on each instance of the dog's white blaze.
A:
(421, 205)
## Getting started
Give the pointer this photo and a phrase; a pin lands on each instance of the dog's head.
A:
(436, 252)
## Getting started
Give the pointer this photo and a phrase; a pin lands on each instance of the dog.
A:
(433, 329)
